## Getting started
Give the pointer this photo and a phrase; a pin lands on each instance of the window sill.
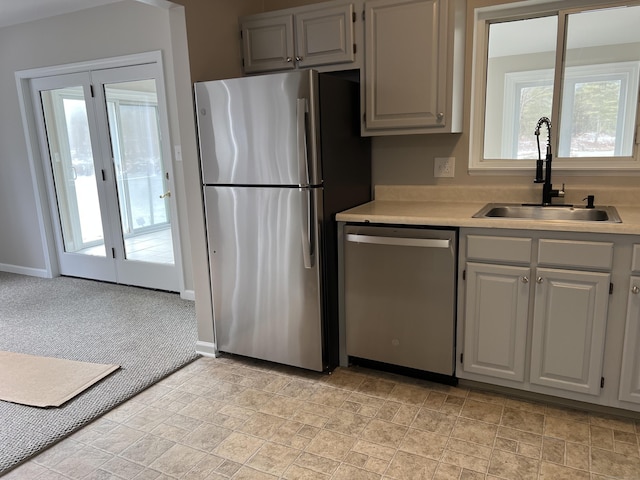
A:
(587, 167)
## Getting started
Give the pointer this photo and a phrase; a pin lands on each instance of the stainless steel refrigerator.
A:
(280, 155)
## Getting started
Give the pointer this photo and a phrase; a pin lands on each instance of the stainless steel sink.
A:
(562, 213)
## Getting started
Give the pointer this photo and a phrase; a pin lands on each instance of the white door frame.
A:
(34, 149)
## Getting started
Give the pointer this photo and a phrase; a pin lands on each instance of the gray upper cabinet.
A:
(409, 55)
(267, 43)
(325, 37)
(413, 66)
(312, 36)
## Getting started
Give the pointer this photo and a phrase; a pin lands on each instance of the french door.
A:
(108, 173)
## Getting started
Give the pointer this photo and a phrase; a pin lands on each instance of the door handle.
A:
(166, 194)
(302, 107)
(399, 241)
(308, 228)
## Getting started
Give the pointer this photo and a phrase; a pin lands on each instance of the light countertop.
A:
(444, 206)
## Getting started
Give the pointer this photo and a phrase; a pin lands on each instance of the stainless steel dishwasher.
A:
(400, 296)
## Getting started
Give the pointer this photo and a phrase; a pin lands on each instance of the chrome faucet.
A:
(547, 189)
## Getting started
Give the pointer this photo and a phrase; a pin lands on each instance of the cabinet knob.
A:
(289, 59)
(440, 116)
(299, 58)
(539, 280)
(635, 290)
(525, 279)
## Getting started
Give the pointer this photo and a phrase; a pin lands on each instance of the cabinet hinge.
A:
(610, 288)
(464, 274)
(601, 382)
(353, 17)
(354, 48)
(113, 253)
(462, 358)
(91, 90)
(104, 175)
(241, 34)
(363, 15)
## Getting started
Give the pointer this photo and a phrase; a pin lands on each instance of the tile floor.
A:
(235, 418)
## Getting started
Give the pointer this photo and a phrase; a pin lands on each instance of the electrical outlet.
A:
(444, 166)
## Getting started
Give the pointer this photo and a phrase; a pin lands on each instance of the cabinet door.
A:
(267, 43)
(405, 63)
(495, 325)
(630, 373)
(569, 322)
(325, 36)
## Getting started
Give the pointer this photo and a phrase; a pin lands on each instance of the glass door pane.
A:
(72, 165)
(141, 182)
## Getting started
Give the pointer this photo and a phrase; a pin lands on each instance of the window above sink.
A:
(580, 67)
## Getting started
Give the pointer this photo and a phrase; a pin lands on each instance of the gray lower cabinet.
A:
(569, 323)
(534, 312)
(497, 307)
(630, 372)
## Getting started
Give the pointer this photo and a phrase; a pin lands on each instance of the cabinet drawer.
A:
(635, 261)
(499, 249)
(569, 253)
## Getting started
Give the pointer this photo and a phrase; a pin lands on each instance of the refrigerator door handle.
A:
(308, 228)
(302, 108)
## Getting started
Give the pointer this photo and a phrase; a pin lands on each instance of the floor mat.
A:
(46, 381)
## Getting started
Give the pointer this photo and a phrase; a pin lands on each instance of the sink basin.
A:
(564, 213)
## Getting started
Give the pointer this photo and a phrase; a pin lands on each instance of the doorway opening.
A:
(104, 144)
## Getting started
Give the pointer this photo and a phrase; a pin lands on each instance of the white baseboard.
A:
(188, 295)
(206, 349)
(32, 272)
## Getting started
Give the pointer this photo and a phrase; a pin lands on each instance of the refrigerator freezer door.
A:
(265, 273)
(259, 130)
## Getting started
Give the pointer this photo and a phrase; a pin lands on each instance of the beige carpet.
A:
(46, 381)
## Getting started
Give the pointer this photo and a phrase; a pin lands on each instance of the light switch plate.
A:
(444, 166)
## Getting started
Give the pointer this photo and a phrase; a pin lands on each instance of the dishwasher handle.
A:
(399, 241)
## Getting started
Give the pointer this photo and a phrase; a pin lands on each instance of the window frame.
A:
(481, 14)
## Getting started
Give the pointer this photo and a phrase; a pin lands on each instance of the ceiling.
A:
(13, 12)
